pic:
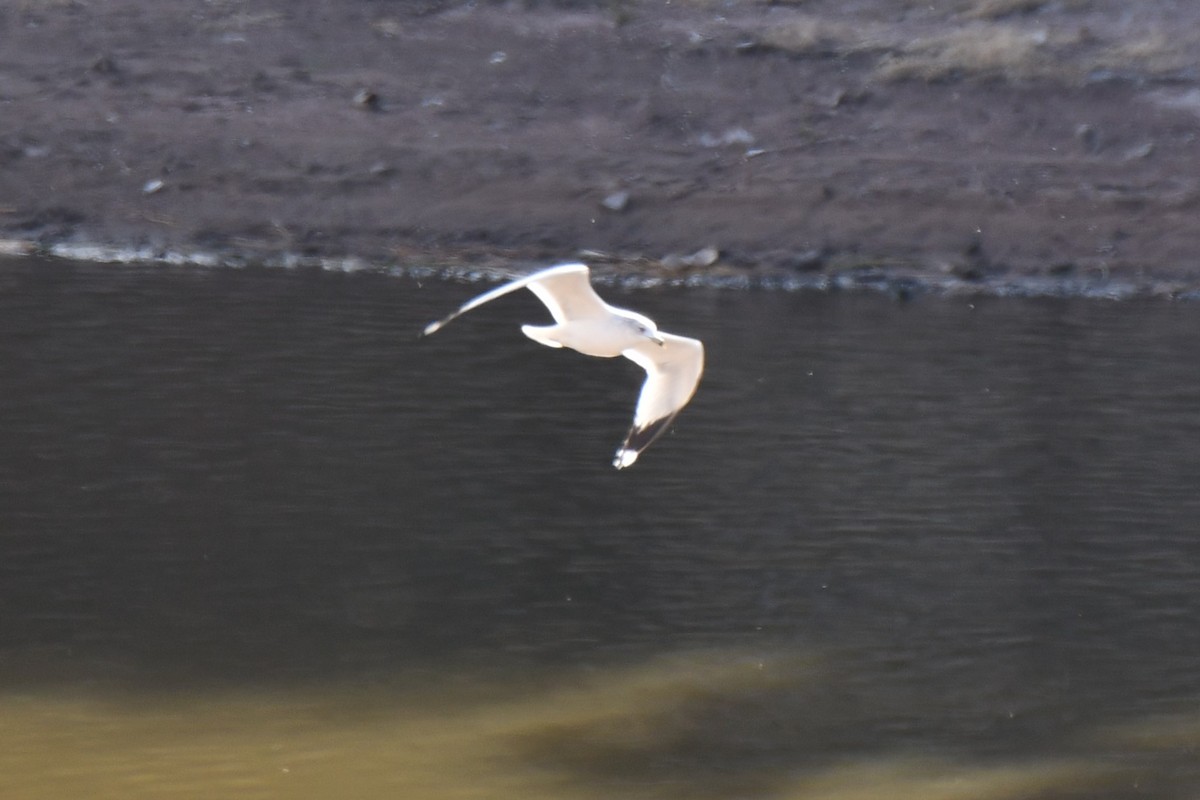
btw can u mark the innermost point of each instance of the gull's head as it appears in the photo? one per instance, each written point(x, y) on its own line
point(645, 327)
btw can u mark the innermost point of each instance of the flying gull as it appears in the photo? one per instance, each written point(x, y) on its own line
point(586, 323)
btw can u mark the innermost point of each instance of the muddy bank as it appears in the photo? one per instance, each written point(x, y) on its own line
point(986, 143)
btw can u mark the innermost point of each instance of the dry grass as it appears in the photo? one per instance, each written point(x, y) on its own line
point(245, 20)
point(999, 9)
point(812, 35)
point(990, 39)
point(1153, 51)
point(238, 15)
point(977, 50)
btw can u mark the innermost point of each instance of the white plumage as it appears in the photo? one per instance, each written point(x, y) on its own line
point(586, 323)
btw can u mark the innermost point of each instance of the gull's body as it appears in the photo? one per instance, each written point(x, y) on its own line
point(585, 323)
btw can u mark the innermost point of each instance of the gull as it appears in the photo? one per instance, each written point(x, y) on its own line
point(587, 324)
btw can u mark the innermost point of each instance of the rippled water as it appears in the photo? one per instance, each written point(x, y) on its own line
point(259, 539)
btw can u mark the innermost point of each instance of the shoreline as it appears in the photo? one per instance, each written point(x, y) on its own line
point(983, 147)
point(898, 283)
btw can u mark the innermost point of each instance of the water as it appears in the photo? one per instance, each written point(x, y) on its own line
point(257, 539)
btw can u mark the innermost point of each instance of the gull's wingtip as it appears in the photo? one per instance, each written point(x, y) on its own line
point(640, 437)
point(624, 458)
point(433, 327)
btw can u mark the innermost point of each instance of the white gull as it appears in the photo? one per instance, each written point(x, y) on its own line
point(587, 324)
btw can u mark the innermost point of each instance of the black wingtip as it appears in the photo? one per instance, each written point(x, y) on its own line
point(639, 438)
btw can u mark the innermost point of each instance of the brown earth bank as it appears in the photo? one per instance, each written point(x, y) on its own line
point(977, 142)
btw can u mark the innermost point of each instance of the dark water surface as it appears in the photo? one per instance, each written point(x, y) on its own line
point(257, 539)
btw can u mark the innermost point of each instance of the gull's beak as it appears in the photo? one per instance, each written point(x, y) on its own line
point(657, 338)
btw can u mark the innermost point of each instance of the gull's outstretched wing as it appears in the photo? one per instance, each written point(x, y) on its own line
point(568, 293)
point(564, 289)
point(672, 373)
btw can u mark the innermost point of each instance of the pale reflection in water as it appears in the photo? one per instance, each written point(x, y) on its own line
point(639, 732)
point(257, 540)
